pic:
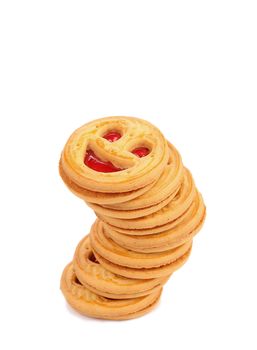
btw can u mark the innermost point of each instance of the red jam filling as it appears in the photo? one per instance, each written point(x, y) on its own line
point(93, 162)
point(141, 151)
point(112, 136)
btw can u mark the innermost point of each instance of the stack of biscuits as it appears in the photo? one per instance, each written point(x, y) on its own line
point(148, 211)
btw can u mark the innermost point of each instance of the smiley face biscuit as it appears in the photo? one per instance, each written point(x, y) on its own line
point(114, 155)
point(103, 282)
point(90, 304)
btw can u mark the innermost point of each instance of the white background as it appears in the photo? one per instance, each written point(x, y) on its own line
point(190, 67)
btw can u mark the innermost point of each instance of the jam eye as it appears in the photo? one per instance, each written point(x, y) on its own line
point(141, 151)
point(95, 163)
point(112, 136)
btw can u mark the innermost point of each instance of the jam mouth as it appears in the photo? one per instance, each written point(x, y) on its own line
point(95, 163)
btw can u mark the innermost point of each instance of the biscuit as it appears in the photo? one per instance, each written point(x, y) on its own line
point(90, 304)
point(128, 171)
point(131, 214)
point(187, 227)
point(101, 197)
point(154, 272)
point(116, 254)
point(103, 282)
point(168, 213)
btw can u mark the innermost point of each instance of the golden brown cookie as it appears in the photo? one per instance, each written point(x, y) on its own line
point(154, 272)
point(116, 254)
point(122, 169)
point(184, 231)
point(131, 214)
point(101, 197)
point(103, 282)
point(92, 305)
point(171, 211)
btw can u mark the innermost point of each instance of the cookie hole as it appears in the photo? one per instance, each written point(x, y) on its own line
point(141, 151)
point(92, 258)
point(169, 161)
point(77, 281)
point(112, 135)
